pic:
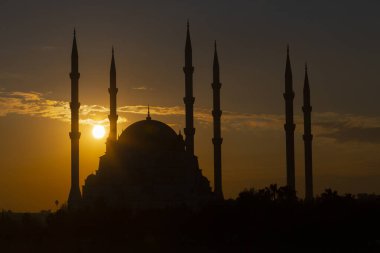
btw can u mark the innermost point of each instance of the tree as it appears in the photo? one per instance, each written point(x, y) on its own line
point(274, 191)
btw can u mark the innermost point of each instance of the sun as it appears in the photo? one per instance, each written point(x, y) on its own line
point(98, 131)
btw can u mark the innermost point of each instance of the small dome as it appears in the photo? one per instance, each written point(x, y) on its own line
point(149, 135)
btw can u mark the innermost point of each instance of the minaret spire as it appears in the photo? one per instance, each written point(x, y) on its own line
point(148, 116)
point(112, 90)
point(75, 195)
point(217, 139)
point(307, 138)
point(74, 55)
point(188, 69)
point(289, 124)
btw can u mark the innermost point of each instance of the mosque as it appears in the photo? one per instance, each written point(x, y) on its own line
point(149, 165)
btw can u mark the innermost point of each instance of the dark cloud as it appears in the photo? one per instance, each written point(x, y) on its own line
point(355, 134)
point(345, 128)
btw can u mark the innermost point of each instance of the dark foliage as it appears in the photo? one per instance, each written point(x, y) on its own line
point(267, 220)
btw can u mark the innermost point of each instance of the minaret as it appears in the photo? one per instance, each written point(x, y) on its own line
point(217, 140)
point(307, 138)
point(75, 195)
point(112, 90)
point(289, 124)
point(189, 99)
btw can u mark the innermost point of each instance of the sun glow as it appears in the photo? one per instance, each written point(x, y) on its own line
point(98, 131)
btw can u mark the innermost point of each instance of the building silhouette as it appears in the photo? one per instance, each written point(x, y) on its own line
point(149, 165)
point(289, 124)
point(112, 90)
point(75, 195)
point(189, 99)
point(307, 138)
point(217, 140)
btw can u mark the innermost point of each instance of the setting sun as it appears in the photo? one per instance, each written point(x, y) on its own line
point(98, 131)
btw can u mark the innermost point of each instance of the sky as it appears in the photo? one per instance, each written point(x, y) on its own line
point(338, 39)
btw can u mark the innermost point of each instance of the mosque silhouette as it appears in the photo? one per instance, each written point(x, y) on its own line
point(151, 166)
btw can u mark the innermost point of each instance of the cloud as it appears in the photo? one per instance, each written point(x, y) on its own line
point(244, 121)
point(335, 126)
point(27, 96)
point(142, 88)
point(231, 120)
point(348, 128)
point(139, 88)
point(356, 134)
point(35, 104)
point(156, 110)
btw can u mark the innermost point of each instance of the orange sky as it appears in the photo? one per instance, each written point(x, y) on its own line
point(38, 162)
point(340, 46)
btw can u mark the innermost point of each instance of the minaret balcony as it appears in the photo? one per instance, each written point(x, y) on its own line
point(217, 141)
point(189, 100)
point(74, 106)
point(307, 108)
point(188, 69)
point(217, 113)
point(216, 85)
point(74, 75)
point(307, 137)
point(74, 135)
point(113, 90)
point(289, 127)
point(289, 95)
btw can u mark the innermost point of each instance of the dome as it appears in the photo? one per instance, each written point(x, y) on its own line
point(149, 135)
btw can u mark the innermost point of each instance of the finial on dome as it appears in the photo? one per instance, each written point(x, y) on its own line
point(148, 117)
point(180, 136)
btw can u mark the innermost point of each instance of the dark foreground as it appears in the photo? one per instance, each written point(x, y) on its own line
point(262, 221)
